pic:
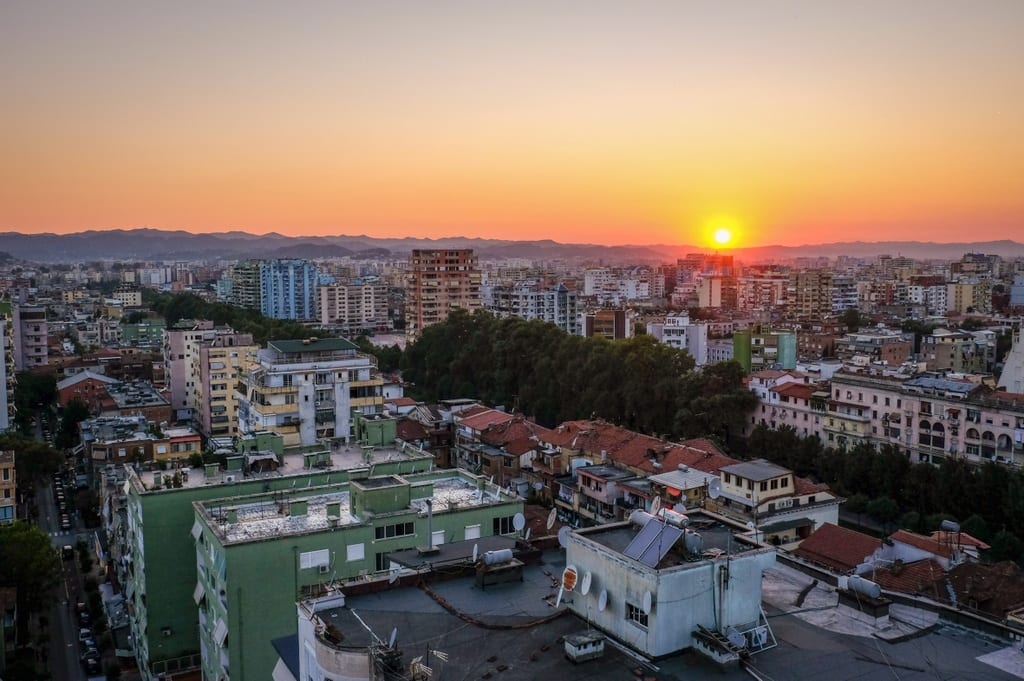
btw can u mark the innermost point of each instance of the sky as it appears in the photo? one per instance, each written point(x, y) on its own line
point(590, 122)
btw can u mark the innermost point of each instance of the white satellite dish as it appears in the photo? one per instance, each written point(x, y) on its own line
point(527, 536)
point(519, 522)
point(679, 508)
point(585, 584)
point(476, 551)
point(563, 537)
point(715, 488)
point(602, 600)
point(655, 505)
point(393, 575)
point(393, 638)
point(538, 486)
point(648, 602)
point(552, 517)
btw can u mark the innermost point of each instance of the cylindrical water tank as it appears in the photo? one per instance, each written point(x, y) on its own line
point(864, 586)
point(950, 526)
point(674, 518)
point(498, 557)
point(693, 542)
point(640, 517)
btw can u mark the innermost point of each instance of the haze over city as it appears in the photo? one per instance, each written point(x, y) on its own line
point(783, 122)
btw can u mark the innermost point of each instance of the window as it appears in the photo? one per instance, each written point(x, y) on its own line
point(7, 474)
point(381, 562)
point(396, 530)
point(764, 486)
point(355, 552)
point(728, 478)
point(503, 525)
point(775, 484)
point(887, 401)
point(472, 532)
point(636, 615)
point(314, 559)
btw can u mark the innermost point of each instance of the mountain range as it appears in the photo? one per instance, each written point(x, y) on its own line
point(161, 245)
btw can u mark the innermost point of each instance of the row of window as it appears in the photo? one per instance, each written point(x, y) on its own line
point(395, 530)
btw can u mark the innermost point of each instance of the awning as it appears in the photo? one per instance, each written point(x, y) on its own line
point(784, 525)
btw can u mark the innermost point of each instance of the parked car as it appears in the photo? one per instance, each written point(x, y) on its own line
point(68, 552)
point(91, 666)
point(84, 633)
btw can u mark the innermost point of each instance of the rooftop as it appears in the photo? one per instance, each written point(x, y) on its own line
point(341, 457)
point(757, 470)
point(312, 345)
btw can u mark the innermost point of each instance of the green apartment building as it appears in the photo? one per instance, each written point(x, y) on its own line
point(258, 554)
point(761, 348)
point(149, 514)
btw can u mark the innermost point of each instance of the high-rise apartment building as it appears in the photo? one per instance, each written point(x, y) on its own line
point(202, 365)
point(30, 330)
point(440, 281)
point(288, 289)
point(6, 368)
point(309, 390)
point(810, 293)
point(358, 306)
point(533, 299)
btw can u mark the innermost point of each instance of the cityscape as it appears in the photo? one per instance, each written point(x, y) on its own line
point(395, 342)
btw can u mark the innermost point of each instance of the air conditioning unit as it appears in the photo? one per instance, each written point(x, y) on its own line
point(324, 569)
point(229, 478)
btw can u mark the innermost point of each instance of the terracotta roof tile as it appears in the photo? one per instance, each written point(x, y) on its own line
point(482, 420)
point(924, 577)
point(996, 589)
point(922, 542)
point(962, 538)
point(409, 430)
point(838, 547)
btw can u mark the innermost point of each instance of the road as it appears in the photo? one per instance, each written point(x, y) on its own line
point(63, 652)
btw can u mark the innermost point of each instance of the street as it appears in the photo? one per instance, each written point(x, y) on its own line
point(63, 648)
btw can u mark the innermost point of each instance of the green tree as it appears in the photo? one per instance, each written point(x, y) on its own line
point(852, 319)
point(28, 563)
point(883, 509)
point(1005, 546)
point(33, 460)
point(74, 413)
point(976, 526)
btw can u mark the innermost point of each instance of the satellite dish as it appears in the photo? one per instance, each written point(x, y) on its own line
point(602, 600)
point(393, 576)
point(585, 584)
point(715, 488)
point(393, 638)
point(648, 602)
point(655, 505)
point(552, 517)
point(570, 575)
point(519, 522)
point(563, 537)
point(527, 536)
point(538, 486)
point(679, 508)
point(476, 551)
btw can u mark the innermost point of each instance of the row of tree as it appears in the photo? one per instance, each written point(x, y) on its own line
point(174, 307)
point(538, 369)
point(987, 500)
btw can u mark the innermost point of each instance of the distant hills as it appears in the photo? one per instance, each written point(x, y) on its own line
point(152, 244)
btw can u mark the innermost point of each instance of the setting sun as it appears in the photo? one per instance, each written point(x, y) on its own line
point(722, 236)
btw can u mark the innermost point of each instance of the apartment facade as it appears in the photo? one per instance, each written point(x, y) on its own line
point(30, 329)
point(257, 555)
point(8, 488)
point(309, 390)
point(217, 365)
point(533, 299)
point(439, 281)
point(359, 306)
point(288, 289)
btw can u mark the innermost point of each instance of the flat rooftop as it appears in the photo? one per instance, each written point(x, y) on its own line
point(269, 517)
point(716, 538)
point(266, 515)
point(342, 458)
point(817, 640)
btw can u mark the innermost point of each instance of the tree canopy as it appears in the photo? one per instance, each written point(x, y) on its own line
point(29, 563)
point(538, 369)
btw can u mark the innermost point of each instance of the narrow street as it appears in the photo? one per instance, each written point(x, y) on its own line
point(63, 653)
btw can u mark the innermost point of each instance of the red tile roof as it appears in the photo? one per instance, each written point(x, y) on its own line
point(484, 419)
point(996, 589)
point(401, 401)
point(922, 542)
point(923, 577)
point(513, 429)
point(962, 538)
point(409, 430)
point(801, 391)
point(838, 547)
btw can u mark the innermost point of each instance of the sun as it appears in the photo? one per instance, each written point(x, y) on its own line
point(722, 236)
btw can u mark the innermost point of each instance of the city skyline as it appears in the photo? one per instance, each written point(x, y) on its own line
point(791, 123)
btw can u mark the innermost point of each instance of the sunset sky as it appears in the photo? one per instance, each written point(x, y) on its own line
point(599, 122)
